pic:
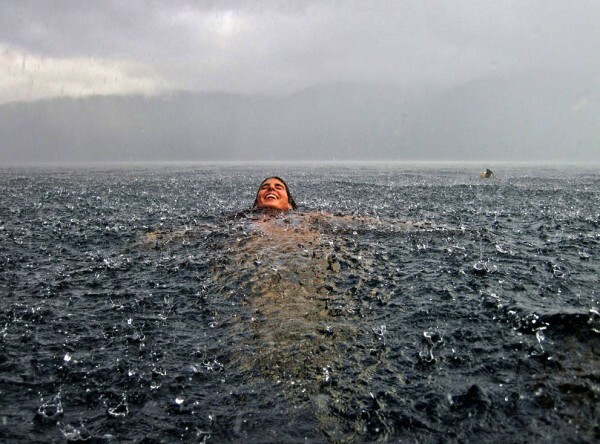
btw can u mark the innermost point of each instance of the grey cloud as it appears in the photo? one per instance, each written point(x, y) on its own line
point(460, 79)
point(291, 45)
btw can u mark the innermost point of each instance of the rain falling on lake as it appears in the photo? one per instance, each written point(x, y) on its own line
point(416, 303)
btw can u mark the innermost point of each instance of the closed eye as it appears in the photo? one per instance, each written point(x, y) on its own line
point(276, 186)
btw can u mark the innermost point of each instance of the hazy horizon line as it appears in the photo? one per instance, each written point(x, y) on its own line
point(304, 163)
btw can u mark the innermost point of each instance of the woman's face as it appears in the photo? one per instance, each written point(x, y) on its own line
point(272, 194)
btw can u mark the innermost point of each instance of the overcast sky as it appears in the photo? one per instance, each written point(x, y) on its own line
point(58, 47)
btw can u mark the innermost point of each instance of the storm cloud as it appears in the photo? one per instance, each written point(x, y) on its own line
point(59, 49)
point(281, 47)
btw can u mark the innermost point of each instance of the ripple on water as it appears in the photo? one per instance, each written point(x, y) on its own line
point(135, 309)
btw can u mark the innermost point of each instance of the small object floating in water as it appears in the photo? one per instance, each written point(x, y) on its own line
point(487, 174)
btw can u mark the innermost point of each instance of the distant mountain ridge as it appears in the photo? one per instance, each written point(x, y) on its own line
point(484, 120)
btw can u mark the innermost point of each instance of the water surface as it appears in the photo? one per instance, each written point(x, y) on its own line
point(399, 304)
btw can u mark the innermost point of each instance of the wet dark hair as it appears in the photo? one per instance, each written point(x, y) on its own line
point(287, 190)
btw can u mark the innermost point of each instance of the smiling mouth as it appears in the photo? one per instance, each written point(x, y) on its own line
point(270, 196)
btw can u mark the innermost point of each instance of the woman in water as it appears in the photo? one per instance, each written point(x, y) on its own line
point(273, 196)
point(294, 291)
point(274, 193)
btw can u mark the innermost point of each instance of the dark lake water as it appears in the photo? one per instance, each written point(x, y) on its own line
point(415, 303)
